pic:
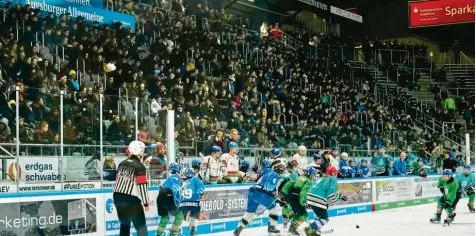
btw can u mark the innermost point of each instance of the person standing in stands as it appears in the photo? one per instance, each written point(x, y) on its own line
point(130, 191)
point(449, 163)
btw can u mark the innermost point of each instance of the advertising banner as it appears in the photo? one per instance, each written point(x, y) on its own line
point(441, 12)
point(223, 204)
point(316, 4)
point(426, 187)
point(346, 14)
point(350, 188)
point(112, 223)
point(77, 3)
point(394, 190)
point(33, 169)
point(52, 217)
point(89, 13)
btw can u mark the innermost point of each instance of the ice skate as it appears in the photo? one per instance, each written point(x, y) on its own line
point(435, 219)
point(450, 219)
point(293, 230)
point(471, 208)
point(310, 232)
point(238, 230)
point(272, 230)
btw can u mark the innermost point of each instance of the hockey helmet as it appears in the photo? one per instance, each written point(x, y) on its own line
point(174, 167)
point(196, 163)
point(330, 170)
point(189, 173)
point(136, 148)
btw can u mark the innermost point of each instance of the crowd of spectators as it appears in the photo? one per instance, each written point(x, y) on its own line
point(214, 73)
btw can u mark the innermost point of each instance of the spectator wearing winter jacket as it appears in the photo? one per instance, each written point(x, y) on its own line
point(449, 162)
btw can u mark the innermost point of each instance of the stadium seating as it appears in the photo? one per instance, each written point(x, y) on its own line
point(276, 91)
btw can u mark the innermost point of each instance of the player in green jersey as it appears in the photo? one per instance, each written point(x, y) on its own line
point(450, 188)
point(466, 180)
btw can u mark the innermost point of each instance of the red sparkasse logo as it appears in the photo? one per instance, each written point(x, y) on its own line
point(441, 12)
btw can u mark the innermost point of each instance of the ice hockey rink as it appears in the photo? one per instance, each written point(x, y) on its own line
point(410, 221)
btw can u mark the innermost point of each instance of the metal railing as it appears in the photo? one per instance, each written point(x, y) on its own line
point(466, 60)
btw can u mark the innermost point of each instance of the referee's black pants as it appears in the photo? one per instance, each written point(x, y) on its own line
point(129, 209)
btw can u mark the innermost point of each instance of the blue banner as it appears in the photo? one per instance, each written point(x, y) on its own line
point(77, 3)
point(89, 13)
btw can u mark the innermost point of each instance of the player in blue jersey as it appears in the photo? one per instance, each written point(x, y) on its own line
point(197, 166)
point(344, 160)
point(320, 197)
point(363, 170)
point(466, 180)
point(265, 166)
point(242, 174)
point(168, 201)
point(274, 153)
point(192, 191)
point(264, 194)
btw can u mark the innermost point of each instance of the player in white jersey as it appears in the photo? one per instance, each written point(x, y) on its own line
point(230, 164)
point(211, 166)
point(301, 158)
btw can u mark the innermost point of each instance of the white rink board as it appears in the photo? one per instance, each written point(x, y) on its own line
point(409, 221)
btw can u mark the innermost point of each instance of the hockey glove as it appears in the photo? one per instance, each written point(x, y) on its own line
point(469, 189)
point(442, 190)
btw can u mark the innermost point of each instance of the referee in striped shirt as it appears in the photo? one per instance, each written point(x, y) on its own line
point(130, 192)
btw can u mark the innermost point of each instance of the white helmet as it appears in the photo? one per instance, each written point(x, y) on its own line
point(302, 148)
point(344, 154)
point(136, 148)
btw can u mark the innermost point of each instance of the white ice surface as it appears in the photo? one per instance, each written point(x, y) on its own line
point(408, 221)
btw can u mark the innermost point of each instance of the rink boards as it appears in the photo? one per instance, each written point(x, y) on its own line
point(92, 212)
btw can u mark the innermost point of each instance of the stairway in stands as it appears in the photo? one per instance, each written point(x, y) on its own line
point(424, 96)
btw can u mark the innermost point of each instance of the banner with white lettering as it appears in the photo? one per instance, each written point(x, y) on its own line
point(54, 217)
point(348, 189)
point(81, 8)
point(223, 204)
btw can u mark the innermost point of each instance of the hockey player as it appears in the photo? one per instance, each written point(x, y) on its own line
point(421, 169)
point(192, 191)
point(379, 163)
point(211, 165)
point(410, 162)
point(466, 179)
point(320, 197)
point(274, 153)
point(196, 166)
point(344, 158)
point(450, 188)
point(168, 201)
point(317, 164)
point(346, 172)
point(301, 159)
point(289, 176)
point(363, 170)
point(244, 167)
point(297, 199)
point(230, 164)
point(264, 194)
point(265, 167)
